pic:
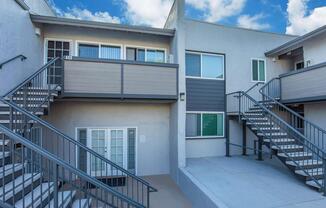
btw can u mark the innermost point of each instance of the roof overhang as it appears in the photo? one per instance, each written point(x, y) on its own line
point(296, 43)
point(101, 25)
point(22, 4)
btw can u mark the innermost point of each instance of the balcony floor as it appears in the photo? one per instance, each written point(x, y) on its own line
point(242, 181)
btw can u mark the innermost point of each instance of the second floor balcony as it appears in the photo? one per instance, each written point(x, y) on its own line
point(119, 79)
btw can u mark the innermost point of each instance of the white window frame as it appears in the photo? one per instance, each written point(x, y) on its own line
point(107, 129)
point(251, 75)
point(99, 44)
point(71, 45)
point(201, 65)
point(145, 48)
point(201, 123)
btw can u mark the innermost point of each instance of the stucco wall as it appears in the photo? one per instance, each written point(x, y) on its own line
point(315, 50)
point(40, 7)
point(17, 36)
point(316, 113)
point(239, 47)
point(152, 121)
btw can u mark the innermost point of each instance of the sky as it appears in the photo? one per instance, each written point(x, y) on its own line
point(295, 17)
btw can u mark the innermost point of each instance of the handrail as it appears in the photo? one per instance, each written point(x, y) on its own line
point(28, 79)
point(284, 123)
point(64, 164)
point(21, 56)
point(77, 143)
point(287, 108)
point(252, 87)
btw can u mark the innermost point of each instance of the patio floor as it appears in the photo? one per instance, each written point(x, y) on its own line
point(242, 181)
point(169, 195)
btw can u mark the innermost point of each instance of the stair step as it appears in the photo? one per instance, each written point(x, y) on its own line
point(255, 119)
point(314, 184)
point(82, 203)
point(67, 197)
point(288, 147)
point(9, 169)
point(26, 180)
point(284, 141)
point(4, 142)
point(4, 154)
point(18, 113)
point(313, 171)
point(296, 155)
point(307, 164)
point(39, 194)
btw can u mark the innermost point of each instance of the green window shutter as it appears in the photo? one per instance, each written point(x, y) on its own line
point(209, 124)
point(261, 70)
point(254, 70)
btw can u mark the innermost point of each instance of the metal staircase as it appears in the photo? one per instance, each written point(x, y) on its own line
point(39, 165)
point(298, 143)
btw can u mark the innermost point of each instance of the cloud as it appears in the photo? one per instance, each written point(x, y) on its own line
point(253, 22)
point(147, 12)
point(84, 14)
point(216, 10)
point(301, 20)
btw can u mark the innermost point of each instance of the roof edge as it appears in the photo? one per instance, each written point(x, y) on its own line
point(101, 25)
point(22, 4)
point(298, 40)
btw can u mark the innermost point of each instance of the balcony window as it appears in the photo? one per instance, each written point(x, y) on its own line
point(135, 54)
point(204, 65)
point(143, 54)
point(258, 70)
point(110, 52)
point(86, 50)
point(204, 124)
point(155, 56)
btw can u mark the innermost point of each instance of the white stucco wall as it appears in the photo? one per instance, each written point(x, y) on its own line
point(314, 50)
point(151, 120)
point(316, 113)
point(17, 36)
point(40, 7)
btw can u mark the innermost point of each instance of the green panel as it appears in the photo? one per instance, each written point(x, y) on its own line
point(209, 124)
point(262, 71)
point(220, 125)
point(254, 70)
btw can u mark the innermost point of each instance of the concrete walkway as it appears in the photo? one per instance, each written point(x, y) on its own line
point(169, 195)
point(242, 181)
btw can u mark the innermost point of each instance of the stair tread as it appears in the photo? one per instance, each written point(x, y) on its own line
point(4, 142)
point(281, 140)
point(305, 162)
point(65, 195)
point(36, 195)
point(18, 182)
point(9, 169)
point(314, 184)
point(81, 203)
point(312, 171)
point(4, 154)
point(289, 146)
point(295, 154)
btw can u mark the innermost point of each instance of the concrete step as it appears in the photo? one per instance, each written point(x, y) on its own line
point(306, 164)
point(65, 199)
point(82, 203)
point(35, 198)
point(16, 186)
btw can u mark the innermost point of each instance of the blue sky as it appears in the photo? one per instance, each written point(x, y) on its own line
point(281, 16)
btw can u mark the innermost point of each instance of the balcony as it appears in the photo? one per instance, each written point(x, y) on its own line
point(101, 78)
point(305, 85)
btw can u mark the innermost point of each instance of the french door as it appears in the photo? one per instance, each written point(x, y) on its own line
point(111, 144)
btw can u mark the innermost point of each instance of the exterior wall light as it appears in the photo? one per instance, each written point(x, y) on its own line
point(182, 96)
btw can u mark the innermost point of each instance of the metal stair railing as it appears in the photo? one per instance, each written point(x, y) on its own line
point(271, 92)
point(44, 167)
point(318, 154)
point(21, 56)
point(29, 97)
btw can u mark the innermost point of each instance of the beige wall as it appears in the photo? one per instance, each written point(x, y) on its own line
point(315, 50)
point(77, 34)
point(151, 120)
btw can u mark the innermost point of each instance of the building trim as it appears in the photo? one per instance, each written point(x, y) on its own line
point(101, 25)
point(295, 43)
point(119, 96)
point(305, 99)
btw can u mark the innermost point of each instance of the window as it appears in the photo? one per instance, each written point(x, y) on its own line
point(299, 65)
point(86, 50)
point(142, 54)
point(205, 65)
point(132, 150)
point(203, 125)
point(258, 70)
point(82, 154)
point(56, 48)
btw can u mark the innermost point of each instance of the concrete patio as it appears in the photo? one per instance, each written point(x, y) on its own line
point(242, 181)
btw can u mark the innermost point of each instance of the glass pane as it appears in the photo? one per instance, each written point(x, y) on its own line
point(262, 71)
point(98, 145)
point(131, 150)
point(88, 51)
point(209, 124)
point(160, 56)
point(254, 70)
point(131, 54)
point(117, 147)
point(193, 125)
point(213, 66)
point(151, 55)
point(110, 52)
point(141, 55)
point(193, 64)
point(82, 155)
point(220, 125)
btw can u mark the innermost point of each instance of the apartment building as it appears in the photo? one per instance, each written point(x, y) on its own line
point(94, 107)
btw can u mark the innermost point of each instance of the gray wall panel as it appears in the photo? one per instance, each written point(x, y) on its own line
point(205, 95)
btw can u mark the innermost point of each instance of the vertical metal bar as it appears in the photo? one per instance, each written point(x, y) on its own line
point(244, 137)
point(260, 149)
point(56, 172)
point(227, 133)
point(324, 174)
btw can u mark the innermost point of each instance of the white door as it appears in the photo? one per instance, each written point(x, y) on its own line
point(98, 142)
point(118, 148)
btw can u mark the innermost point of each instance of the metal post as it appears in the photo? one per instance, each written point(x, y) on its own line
point(239, 106)
point(324, 173)
point(244, 138)
point(148, 196)
point(260, 149)
point(56, 182)
point(227, 143)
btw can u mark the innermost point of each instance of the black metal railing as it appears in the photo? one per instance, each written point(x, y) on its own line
point(271, 92)
point(22, 58)
point(246, 103)
point(33, 96)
